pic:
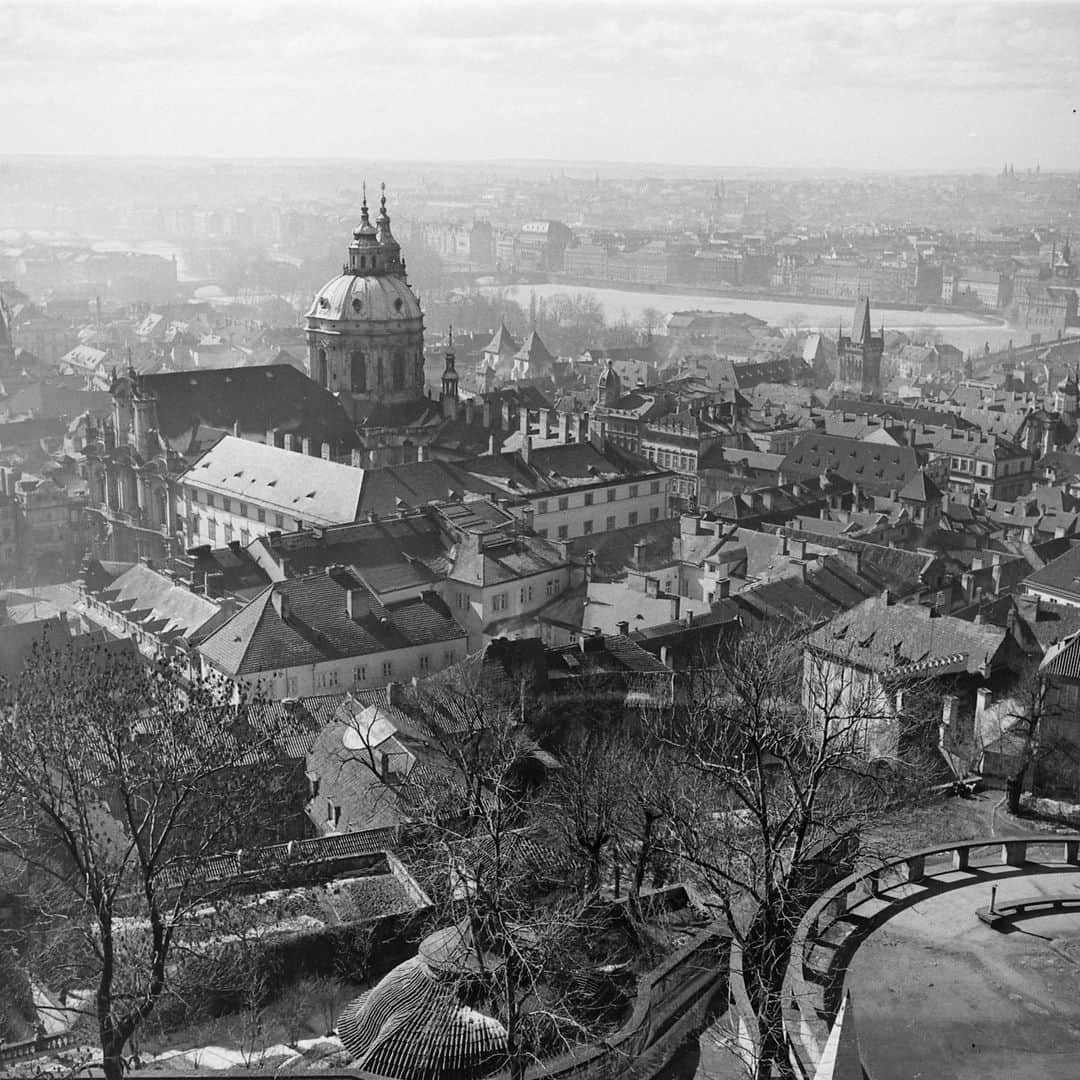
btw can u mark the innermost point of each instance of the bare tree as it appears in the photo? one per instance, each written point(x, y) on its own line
point(475, 840)
point(776, 786)
point(119, 782)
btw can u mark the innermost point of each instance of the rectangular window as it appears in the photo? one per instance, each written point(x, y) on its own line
point(211, 528)
point(241, 509)
point(542, 533)
point(279, 521)
point(564, 532)
point(654, 488)
point(228, 532)
point(448, 656)
point(245, 538)
point(423, 663)
point(588, 498)
point(633, 491)
point(654, 514)
point(541, 506)
point(360, 674)
point(387, 669)
point(586, 528)
point(612, 494)
point(631, 518)
point(262, 516)
point(610, 523)
point(564, 503)
point(226, 504)
point(521, 597)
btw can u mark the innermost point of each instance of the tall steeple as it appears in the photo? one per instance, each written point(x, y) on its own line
point(450, 381)
point(364, 246)
point(389, 249)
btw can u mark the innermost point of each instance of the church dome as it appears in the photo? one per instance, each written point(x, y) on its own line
point(360, 298)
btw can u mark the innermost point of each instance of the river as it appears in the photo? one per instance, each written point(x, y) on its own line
point(966, 331)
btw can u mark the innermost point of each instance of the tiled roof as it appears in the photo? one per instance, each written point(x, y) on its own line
point(1060, 575)
point(309, 624)
point(175, 607)
point(306, 488)
point(884, 637)
point(876, 468)
point(1063, 659)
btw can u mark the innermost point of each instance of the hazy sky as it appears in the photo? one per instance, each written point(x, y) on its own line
point(918, 86)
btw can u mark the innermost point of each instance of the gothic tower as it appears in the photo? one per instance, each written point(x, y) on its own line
point(859, 356)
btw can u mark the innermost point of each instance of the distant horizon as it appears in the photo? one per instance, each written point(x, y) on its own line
point(671, 168)
point(832, 85)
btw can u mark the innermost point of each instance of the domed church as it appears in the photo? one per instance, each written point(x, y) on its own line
point(365, 334)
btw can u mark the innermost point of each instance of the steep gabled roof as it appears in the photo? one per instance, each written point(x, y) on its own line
point(534, 351)
point(921, 489)
point(860, 329)
point(503, 343)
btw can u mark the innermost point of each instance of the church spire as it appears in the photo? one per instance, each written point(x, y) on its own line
point(390, 249)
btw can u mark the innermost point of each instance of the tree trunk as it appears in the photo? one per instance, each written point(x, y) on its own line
point(112, 1053)
point(644, 853)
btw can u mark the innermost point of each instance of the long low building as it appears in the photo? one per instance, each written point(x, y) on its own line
point(240, 490)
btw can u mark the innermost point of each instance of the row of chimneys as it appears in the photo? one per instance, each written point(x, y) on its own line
point(304, 445)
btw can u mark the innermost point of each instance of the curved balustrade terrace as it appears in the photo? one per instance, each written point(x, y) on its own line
point(842, 917)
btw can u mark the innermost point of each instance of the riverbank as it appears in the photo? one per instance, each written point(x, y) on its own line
point(968, 331)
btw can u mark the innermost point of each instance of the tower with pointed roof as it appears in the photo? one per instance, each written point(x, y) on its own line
point(497, 361)
point(859, 354)
point(449, 398)
point(7, 346)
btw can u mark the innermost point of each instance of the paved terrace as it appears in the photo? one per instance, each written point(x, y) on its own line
point(934, 992)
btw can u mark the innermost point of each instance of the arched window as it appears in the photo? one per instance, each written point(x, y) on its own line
point(320, 373)
point(380, 375)
point(358, 372)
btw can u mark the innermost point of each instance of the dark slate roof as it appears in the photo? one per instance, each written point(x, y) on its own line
point(315, 627)
point(876, 468)
point(253, 398)
point(1059, 575)
point(889, 637)
point(19, 640)
point(916, 414)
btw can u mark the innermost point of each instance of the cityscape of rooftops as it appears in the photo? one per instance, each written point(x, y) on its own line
point(540, 542)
